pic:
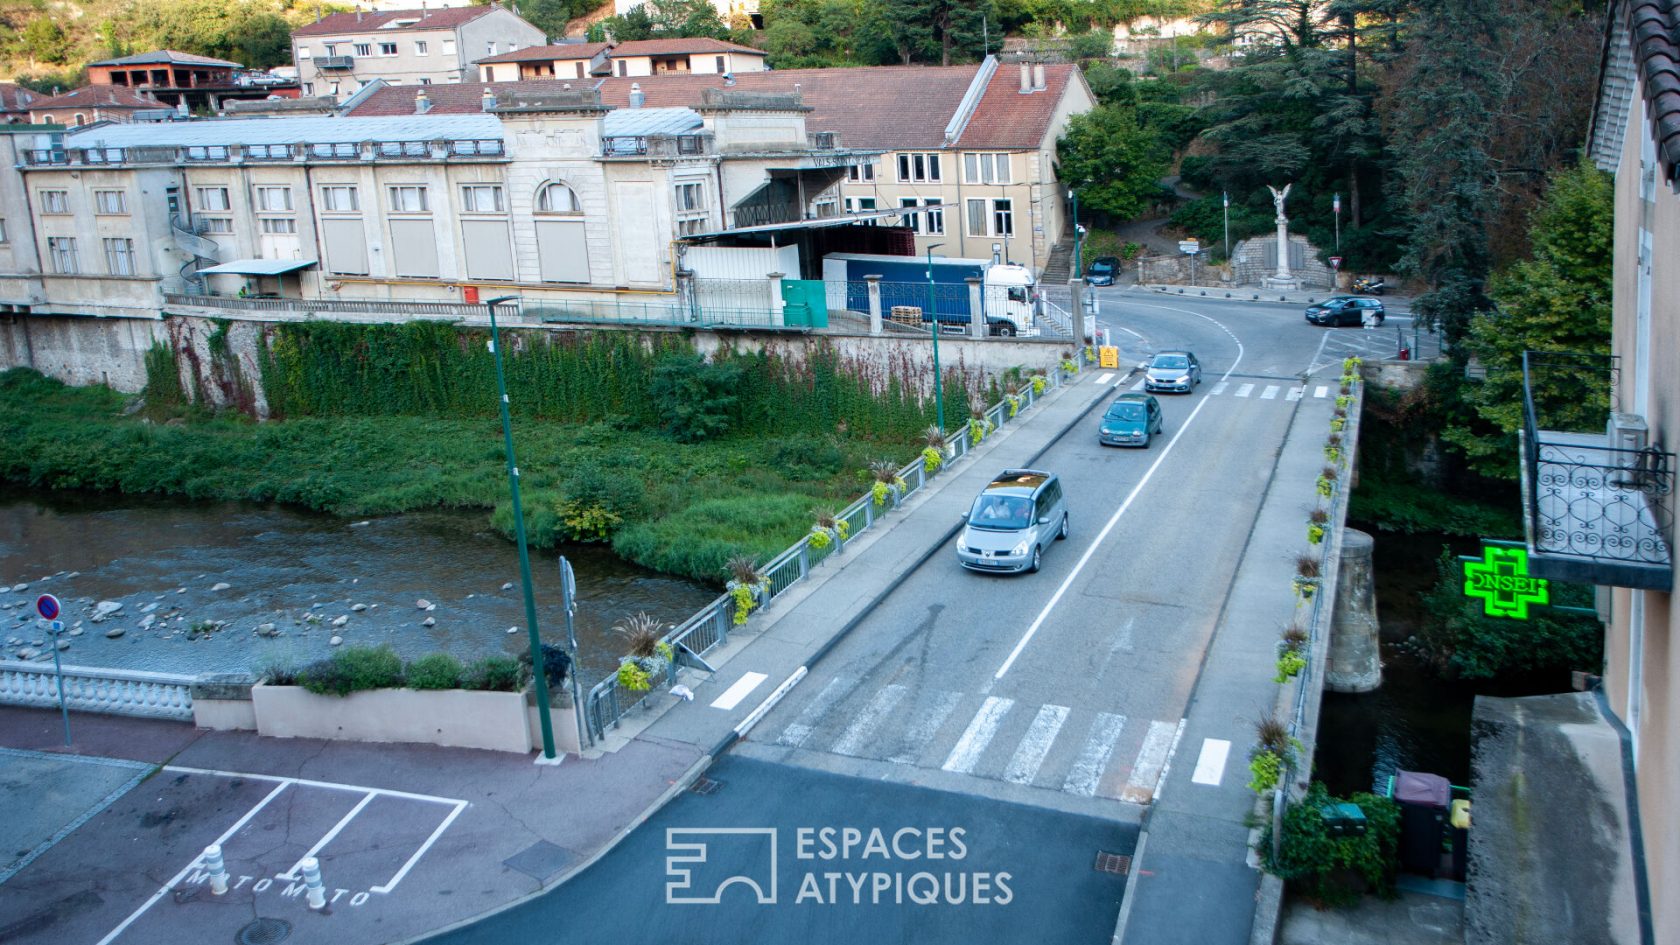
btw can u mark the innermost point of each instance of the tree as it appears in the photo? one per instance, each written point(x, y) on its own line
point(1115, 164)
point(44, 41)
point(551, 16)
point(664, 19)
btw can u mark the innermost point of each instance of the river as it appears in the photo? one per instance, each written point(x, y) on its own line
point(282, 565)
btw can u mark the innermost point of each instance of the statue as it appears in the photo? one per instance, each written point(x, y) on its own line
point(1283, 278)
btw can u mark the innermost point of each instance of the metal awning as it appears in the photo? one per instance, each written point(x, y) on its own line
point(258, 267)
point(815, 223)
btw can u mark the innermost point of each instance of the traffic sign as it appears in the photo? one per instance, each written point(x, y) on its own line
point(47, 606)
point(1190, 247)
point(1335, 262)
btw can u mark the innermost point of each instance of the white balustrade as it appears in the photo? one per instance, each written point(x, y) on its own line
point(91, 689)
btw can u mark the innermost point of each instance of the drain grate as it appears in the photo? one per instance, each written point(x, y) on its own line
point(1117, 863)
point(706, 786)
point(264, 932)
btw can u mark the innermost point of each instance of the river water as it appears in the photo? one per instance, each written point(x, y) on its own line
point(162, 558)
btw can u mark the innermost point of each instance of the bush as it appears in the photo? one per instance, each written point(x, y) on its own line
point(698, 541)
point(494, 674)
point(1460, 640)
point(1336, 870)
point(556, 664)
point(695, 399)
point(353, 669)
point(597, 502)
point(435, 671)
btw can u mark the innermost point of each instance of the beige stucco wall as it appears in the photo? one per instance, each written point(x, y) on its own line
point(1657, 728)
point(455, 718)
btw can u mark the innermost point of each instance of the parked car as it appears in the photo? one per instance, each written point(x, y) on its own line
point(1173, 370)
point(1346, 310)
point(1130, 421)
point(1102, 270)
point(1012, 520)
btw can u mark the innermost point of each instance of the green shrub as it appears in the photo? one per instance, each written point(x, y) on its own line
point(324, 678)
point(597, 502)
point(1336, 870)
point(698, 541)
point(695, 399)
point(353, 669)
point(435, 671)
point(494, 674)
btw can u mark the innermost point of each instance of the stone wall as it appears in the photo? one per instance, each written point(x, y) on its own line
point(81, 350)
point(1248, 261)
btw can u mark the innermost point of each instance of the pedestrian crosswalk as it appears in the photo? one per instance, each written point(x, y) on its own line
point(1077, 751)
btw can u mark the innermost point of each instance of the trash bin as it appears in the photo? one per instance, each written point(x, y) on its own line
point(1460, 819)
point(1423, 800)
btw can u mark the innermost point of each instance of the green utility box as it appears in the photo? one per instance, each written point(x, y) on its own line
point(804, 303)
point(1343, 820)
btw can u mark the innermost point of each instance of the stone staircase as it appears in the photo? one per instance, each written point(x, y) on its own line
point(1059, 268)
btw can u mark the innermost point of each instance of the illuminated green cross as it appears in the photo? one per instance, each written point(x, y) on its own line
point(1501, 580)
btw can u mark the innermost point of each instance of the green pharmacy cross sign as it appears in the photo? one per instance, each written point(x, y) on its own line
point(1501, 580)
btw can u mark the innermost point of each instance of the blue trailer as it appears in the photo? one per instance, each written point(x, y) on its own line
point(1008, 293)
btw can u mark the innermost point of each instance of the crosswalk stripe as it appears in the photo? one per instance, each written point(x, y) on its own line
point(858, 734)
point(1093, 758)
point(800, 729)
point(1146, 770)
point(1270, 393)
point(1245, 390)
point(1296, 392)
point(924, 726)
point(1320, 390)
point(978, 735)
point(1210, 766)
point(1105, 377)
point(1219, 388)
point(1029, 755)
point(1138, 385)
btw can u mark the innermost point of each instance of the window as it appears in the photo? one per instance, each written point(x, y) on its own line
point(986, 169)
point(977, 218)
point(334, 88)
point(929, 221)
point(363, 49)
point(481, 198)
point(408, 198)
point(911, 220)
point(2, 230)
point(217, 224)
point(861, 173)
point(490, 47)
point(449, 47)
point(340, 198)
point(720, 66)
point(119, 257)
point(991, 218)
point(274, 199)
point(387, 49)
point(859, 205)
point(55, 201)
point(558, 198)
point(78, 119)
point(303, 52)
point(110, 202)
point(279, 224)
point(332, 48)
point(212, 198)
point(623, 67)
point(425, 81)
point(1003, 218)
point(422, 48)
point(691, 197)
point(918, 167)
point(62, 249)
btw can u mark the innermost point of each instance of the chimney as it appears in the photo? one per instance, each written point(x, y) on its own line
point(637, 99)
point(1038, 77)
point(488, 103)
point(358, 14)
point(1026, 76)
point(422, 102)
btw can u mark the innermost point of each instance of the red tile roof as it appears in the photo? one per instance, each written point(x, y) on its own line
point(554, 53)
point(97, 96)
point(444, 18)
point(679, 47)
point(863, 105)
point(162, 56)
point(15, 98)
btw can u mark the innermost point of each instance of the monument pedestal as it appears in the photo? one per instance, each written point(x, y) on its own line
point(1282, 283)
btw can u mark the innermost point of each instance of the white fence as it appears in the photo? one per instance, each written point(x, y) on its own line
point(90, 689)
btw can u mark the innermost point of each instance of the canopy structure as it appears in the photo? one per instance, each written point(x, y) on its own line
point(258, 267)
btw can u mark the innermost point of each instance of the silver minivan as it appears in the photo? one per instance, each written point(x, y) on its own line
point(1012, 520)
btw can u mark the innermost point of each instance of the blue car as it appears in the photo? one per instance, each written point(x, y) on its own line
point(1132, 420)
point(1102, 270)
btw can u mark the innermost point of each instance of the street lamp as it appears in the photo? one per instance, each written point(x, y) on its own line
point(1226, 195)
point(1336, 207)
point(1077, 231)
point(541, 679)
point(938, 379)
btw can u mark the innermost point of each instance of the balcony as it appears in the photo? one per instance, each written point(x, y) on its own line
point(334, 151)
point(335, 63)
point(657, 146)
point(1598, 507)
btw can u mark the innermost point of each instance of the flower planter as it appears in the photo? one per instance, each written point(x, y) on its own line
point(456, 718)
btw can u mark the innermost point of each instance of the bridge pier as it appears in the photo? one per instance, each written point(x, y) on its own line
point(1355, 658)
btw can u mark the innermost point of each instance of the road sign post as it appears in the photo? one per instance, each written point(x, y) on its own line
point(47, 606)
point(568, 603)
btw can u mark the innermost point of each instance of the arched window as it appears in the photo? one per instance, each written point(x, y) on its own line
point(558, 198)
point(81, 119)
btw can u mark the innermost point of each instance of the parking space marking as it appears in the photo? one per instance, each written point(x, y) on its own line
point(1210, 765)
point(328, 836)
point(743, 687)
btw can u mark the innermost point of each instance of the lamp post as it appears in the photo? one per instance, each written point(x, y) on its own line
point(1336, 208)
point(1226, 196)
point(1077, 232)
point(540, 680)
point(938, 380)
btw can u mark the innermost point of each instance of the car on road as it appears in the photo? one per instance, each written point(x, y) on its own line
point(1102, 270)
point(1174, 371)
point(1346, 310)
point(1011, 522)
point(1130, 421)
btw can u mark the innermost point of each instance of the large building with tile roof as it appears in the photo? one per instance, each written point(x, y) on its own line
point(976, 141)
point(338, 54)
point(14, 103)
point(92, 103)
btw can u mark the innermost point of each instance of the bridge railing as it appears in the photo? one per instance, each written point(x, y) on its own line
point(93, 689)
point(608, 702)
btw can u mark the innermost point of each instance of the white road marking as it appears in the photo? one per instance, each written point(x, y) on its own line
point(746, 725)
point(1320, 391)
point(924, 726)
point(1219, 388)
point(1114, 519)
point(858, 734)
point(1029, 755)
point(800, 728)
point(1296, 392)
point(1270, 393)
point(1245, 390)
point(1166, 769)
point(734, 694)
point(345, 820)
point(1210, 765)
point(1139, 384)
point(978, 735)
point(1146, 770)
point(387, 887)
point(1093, 758)
point(1105, 377)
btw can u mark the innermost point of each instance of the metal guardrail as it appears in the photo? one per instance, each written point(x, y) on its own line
point(607, 702)
point(333, 306)
point(90, 689)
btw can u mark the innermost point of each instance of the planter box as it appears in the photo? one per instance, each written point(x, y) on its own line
point(455, 718)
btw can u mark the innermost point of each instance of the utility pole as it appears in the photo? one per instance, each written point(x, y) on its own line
point(1336, 208)
point(1227, 198)
point(1078, 232)
point(938, 380)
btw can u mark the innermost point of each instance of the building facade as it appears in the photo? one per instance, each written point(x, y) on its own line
point(699, 55)
point(558, 61)
point(92, 103)
point(338, 54)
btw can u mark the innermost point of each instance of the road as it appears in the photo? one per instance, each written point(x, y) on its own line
point(1036, 714)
